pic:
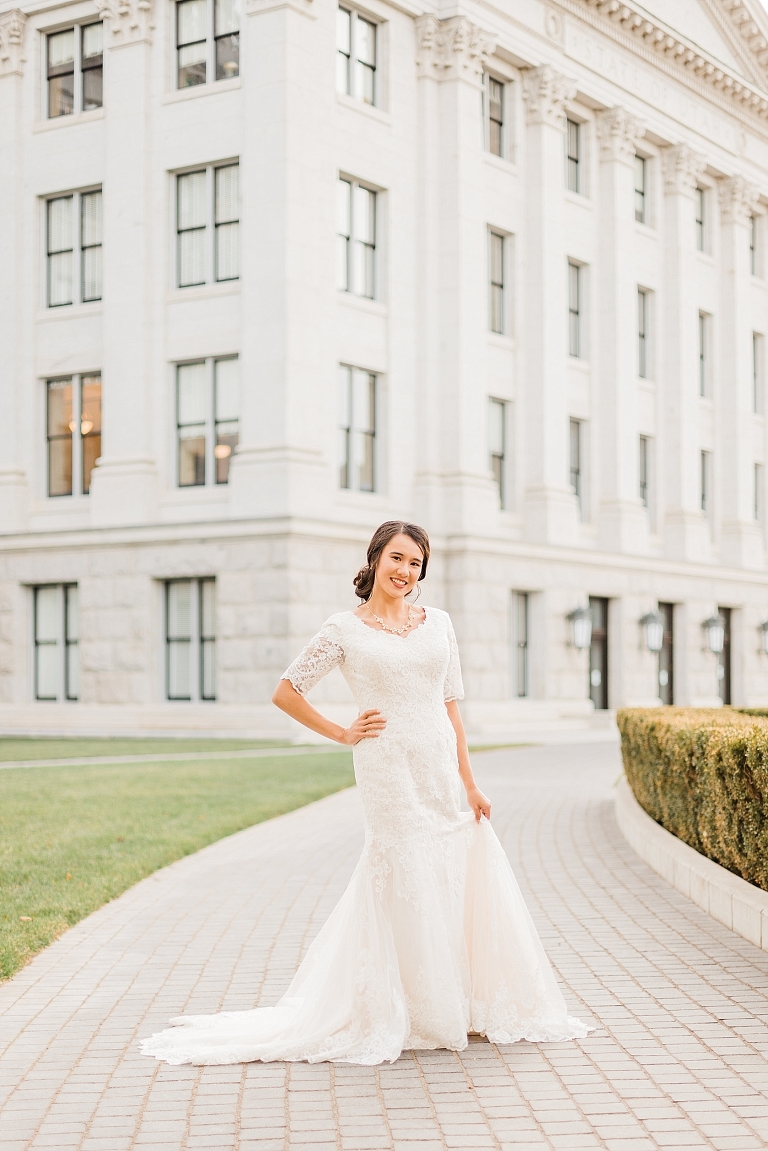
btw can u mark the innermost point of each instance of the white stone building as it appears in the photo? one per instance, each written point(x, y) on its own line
point(501, 268)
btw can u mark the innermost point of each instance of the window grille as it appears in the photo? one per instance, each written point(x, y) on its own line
point(356, 238)
point(207, 425)
point(357, 429)
point(73, 433)
point(190, 639)
point(56, 642)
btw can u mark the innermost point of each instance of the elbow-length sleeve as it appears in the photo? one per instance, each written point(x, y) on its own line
point(453, 688)
point(322, 654)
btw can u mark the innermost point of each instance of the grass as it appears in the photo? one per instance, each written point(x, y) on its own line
point(54, 747)
point(72, 838)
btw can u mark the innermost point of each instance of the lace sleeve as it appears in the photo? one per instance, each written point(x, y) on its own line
point(322, 654)
point(453, 688)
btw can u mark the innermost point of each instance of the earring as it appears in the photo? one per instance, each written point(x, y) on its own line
point(418, 593)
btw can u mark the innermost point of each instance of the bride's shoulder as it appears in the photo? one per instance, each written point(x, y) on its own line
point(440, 615)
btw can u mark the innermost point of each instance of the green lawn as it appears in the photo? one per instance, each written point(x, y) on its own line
point(72, 838)
point(62, 747)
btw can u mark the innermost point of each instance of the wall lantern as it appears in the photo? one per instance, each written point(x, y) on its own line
point(764, 629)
point(715, 629)
point(581, 627)
point(653, 623)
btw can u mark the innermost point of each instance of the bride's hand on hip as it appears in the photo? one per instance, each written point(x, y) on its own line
point(479, 803)
point(369, 725)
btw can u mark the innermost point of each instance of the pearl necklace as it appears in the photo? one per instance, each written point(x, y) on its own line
point(394, 630)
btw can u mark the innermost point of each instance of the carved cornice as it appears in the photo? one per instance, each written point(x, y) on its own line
point(128, 21)
point(12, 58)
point(452, 49)
point(682, 168)
point(546, 92)
point(738, 200)
point(618, 132)
point(656, 39)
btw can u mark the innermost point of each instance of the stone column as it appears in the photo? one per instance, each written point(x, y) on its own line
point(686, 534)
point(551, 510)
point(13, 480)
point(742, 544)
point(124, 485)
point(622, 520)
point(455, 492)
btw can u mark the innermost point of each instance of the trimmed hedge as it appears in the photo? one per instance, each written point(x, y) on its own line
point(703, 775)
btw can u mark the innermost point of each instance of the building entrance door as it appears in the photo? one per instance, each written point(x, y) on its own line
point(666, 656)
point(598, 653)
point(724, 659)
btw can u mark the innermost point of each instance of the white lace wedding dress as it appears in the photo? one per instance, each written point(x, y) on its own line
point(431, 939)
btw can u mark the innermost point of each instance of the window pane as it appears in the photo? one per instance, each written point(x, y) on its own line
point(343, 207)
point(179, 669)
point(47, 614)
point(191, 200)
point(227, 194)
point(61, 95)
point(497, 259)
point(227, 251)
point(226, 17)
point(47, 671)
point(90, 426)
point(496, 428)
point(363, 403)
point(92, 274)
point(227, 384)
point(365, 215)
point(192, 20)
point(228, 56)
point(59, 432)
point(192, 406)
point(72, 670)
point(90, 213)
point(93, 40)
point(179, 609)
point(60, 407)
point(227, 439)
point(192, 456)
point(60, 279)
point(207, 608)
point(192, 68)
point(345, 396)
point(72, 616)
point(365, 36)
point(60, 224)
point(208, 669)
point(192, 258)
point(61, 48)
point(93, 89)
point(344, 30)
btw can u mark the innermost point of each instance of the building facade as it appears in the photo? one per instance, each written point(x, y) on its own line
point(272, 273)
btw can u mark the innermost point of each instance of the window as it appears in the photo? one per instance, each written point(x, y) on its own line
point(356, 56)
point(56, 631)
point(644, 467)
point(757, 372)
point(357, 429)
point(207, 41)
point(706, 483)
point(74, 68)
point(642, 333)
point(190, 639)
point(73, 248)
point(574, 309)
point(208, 224)
point(703, 354)
point(494, 104)
point(207, 432)
point(700, 219)
point(641, 203)
point(497, 437)
point(753, 253)
point(573, 156)
point(575, 454)
point(497, 283)
point(520, 671)
point(73, 433)
point(356, 238)
point(758, 493)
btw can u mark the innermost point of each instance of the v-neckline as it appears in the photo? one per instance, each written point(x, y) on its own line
point(383, 631)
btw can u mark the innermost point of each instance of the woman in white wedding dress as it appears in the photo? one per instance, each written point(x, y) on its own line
point(431, 939)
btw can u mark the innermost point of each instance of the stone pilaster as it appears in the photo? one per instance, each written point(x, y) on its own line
point(551, 511)
point(742, 543)
point(124, 484)
point(13, 480)
point(686, 532)
point(622, 519)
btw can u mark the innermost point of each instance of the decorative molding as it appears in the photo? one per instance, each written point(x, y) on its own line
point(618, 132)
point(738, 200)
point(12, 58)
point(452, 49)
point(546, 92)
point(128, 21)
point(634, 28)
point(683, 168)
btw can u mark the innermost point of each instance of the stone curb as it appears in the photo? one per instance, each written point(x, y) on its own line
point(725, 896)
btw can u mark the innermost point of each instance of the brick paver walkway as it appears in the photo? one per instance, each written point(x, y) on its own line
point(681, 1004)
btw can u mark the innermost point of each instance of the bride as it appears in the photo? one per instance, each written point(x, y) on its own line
point(431, 940)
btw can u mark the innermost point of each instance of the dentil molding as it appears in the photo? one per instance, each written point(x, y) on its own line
point(682, 168)
point(128, 21)
point(738, 200)
point(618, 133)
point(452, 49)
point(12, 58)
point(546, 92)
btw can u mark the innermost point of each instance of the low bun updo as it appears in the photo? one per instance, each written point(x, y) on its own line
point(365, 578)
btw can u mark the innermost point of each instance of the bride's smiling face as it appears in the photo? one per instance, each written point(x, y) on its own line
point(399, 566)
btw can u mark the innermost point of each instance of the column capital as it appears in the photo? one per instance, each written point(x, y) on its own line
point(452, 49)
point(738, 199)
point(546, 92)
point(12, 58)
point(127, 21)
point(682, 169)
point(618, 132)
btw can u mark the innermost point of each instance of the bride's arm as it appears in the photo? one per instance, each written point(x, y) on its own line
point(479, 803)
point(369, 725)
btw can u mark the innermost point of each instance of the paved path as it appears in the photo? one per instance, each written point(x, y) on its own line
point(681, 1004)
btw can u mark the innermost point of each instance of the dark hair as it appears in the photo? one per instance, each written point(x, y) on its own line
point(364, 579)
